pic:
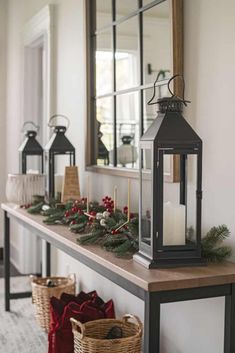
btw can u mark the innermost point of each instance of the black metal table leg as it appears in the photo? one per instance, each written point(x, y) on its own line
point(152, 323)
point(48, 259)
point(229, 322)
point(7, 261)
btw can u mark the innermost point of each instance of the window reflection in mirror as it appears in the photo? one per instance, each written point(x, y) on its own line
point(150, 111)
point(104, 130)
point(104, 63)
point(157, 43)
point(128, 130)
point(125, 7)
point(103, 13)
point(127, 54)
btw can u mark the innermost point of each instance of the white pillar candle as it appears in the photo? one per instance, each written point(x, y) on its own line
point(173, 224)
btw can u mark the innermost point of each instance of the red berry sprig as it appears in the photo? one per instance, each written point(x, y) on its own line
point(114, 232)
point(92, 215)
point(125, 210)
point(108, 203)
point(84, 200)
point(67, 214)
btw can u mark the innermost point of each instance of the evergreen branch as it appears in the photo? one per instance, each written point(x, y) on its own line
point(53, 219)
point(112, 244)
point(51, 211)
point(78, 228)
point(211, 249)
point(215, 236)
point(90, 238)
point(36, 209)
point(123, 249)
point(217, 254)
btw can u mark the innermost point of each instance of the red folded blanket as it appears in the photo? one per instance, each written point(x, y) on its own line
point(83, 307)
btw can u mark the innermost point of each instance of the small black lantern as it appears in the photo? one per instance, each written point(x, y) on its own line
point(170, 213)
point(57, 145)
point(30, 147)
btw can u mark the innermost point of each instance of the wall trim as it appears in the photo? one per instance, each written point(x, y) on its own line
point(39, 25)
point(39, 30)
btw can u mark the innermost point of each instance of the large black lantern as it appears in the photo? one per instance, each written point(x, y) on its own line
point(58, 145)
point(170, 213)
point(30, 147)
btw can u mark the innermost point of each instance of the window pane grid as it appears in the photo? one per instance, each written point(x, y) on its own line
point(115, 21)
point(129, 62)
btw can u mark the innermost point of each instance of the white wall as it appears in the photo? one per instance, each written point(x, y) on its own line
point(210, 75)
point(3, 17)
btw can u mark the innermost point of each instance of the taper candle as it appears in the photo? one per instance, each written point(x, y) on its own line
point(128, 200)
point(115, 198)
point(88, 193)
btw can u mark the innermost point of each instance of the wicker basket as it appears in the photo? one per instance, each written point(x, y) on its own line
point(41, 295)
point(89, 337)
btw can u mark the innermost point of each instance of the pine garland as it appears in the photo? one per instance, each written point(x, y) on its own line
point(109, 228)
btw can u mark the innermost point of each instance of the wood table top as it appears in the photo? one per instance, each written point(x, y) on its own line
point(149, 280)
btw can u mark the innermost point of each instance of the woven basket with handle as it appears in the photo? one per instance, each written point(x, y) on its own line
point(90, 337)
point(41, 295)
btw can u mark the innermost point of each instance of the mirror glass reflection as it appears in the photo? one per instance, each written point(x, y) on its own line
point(157, 43)
point(104, 63)
point(103, 13)
point(121, 97)
point(125, 7)
point(127, 126)
point(150, 111)
point(146, 2)
point(127, 54)
point(104, 130)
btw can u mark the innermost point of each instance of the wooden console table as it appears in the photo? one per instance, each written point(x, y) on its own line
point(154, 287)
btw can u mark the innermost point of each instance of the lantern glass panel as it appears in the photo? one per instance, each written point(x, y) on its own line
point(33, 163)
point(146, 197)
point(179, 202)
point(191, 199)
point(174, 213)
point(62, 161)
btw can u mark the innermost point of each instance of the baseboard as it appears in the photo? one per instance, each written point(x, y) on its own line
point(1, 254)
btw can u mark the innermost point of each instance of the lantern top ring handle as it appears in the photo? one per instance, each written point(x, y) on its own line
point(172, 79)
point(150, 102)
point(51, 124)
point(36, 127)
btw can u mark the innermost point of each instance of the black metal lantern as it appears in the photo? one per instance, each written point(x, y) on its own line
point(170, 213)
point(57, 145)
point(30, 147)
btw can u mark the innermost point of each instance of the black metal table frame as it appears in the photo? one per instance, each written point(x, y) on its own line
point(152, 300)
